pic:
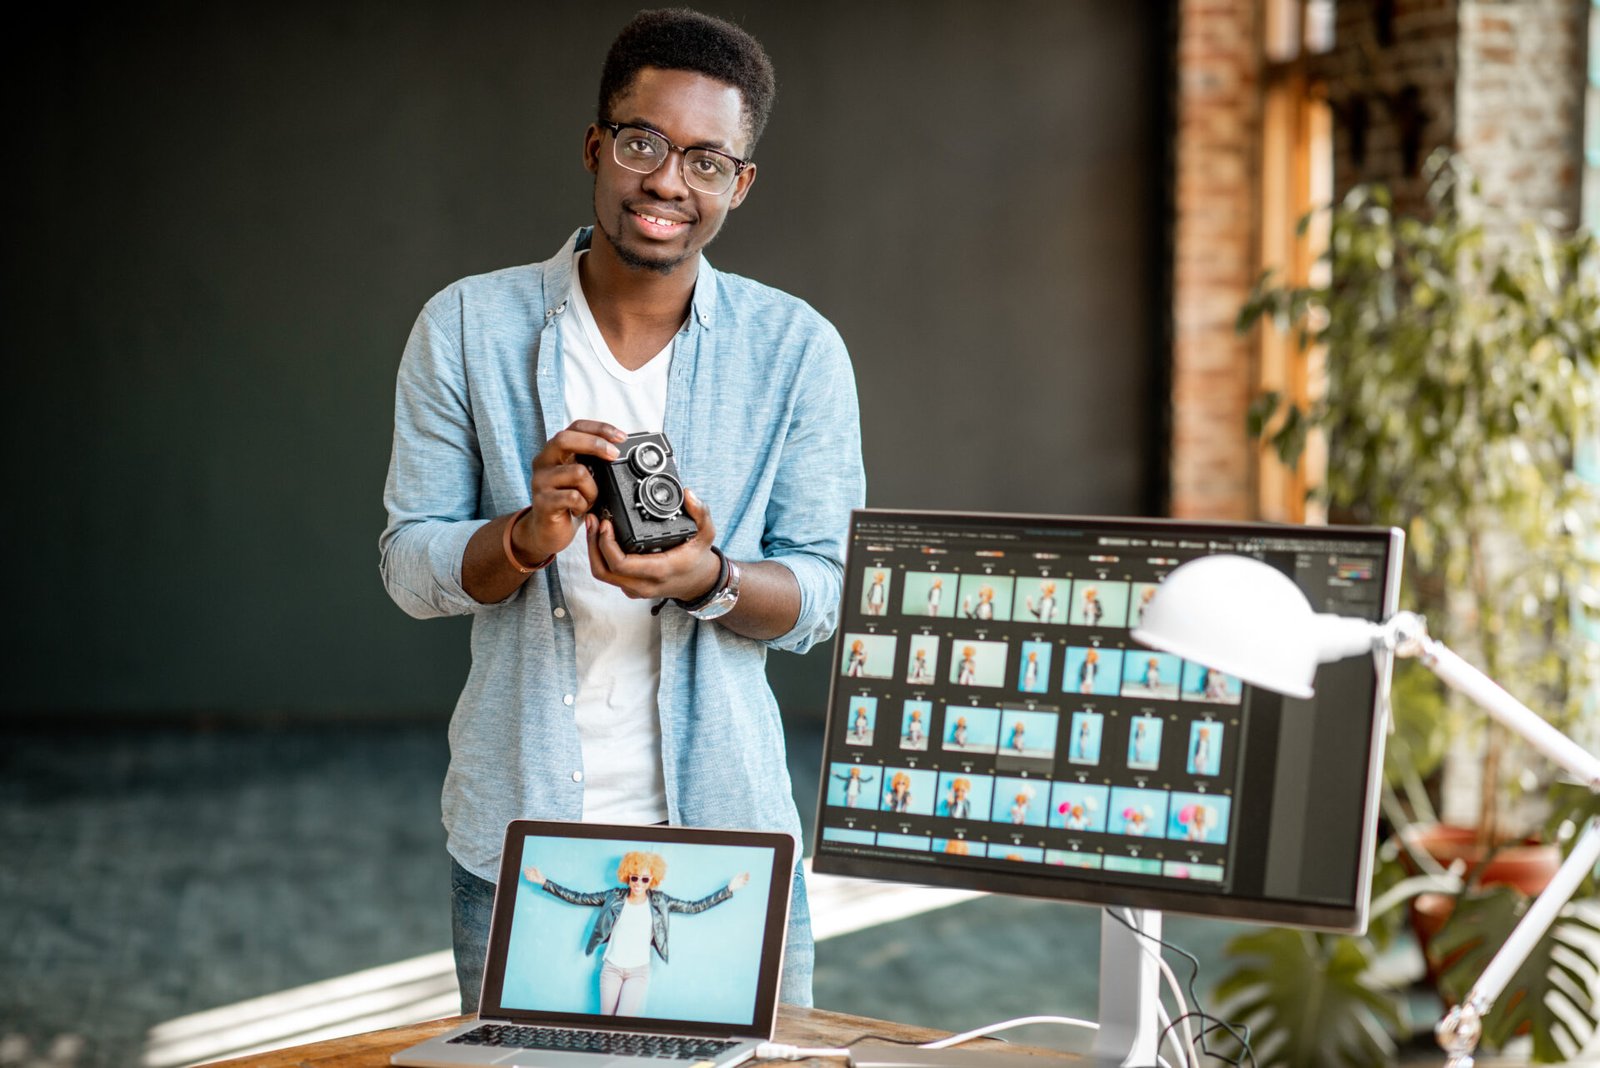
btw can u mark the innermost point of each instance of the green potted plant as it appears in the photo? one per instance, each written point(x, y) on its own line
point(1460, 381)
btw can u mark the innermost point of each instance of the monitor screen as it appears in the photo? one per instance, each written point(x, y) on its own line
point(993, 726)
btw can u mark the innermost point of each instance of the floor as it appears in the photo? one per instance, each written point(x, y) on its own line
point(152, 875)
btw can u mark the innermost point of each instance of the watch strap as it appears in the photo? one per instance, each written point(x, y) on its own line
point(723, 600)
point(724, 593)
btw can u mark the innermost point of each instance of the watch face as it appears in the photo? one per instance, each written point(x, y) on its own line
point(724, 599)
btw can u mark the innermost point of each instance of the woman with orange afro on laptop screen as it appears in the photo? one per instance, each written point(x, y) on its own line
point(633, 921)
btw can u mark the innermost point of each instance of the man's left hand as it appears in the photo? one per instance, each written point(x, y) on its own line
point(685, 572)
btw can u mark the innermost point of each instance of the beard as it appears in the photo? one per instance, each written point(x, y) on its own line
point(637, 262)
point(635, 259)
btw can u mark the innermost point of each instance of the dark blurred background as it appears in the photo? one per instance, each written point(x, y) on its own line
point(226, 217)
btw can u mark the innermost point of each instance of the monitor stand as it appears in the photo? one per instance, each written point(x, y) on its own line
point(1130, 1003)
point(1130, 990)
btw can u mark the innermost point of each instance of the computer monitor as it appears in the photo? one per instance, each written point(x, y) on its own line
point(993, 726)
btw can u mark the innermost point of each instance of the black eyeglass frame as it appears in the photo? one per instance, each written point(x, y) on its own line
point(739, 165)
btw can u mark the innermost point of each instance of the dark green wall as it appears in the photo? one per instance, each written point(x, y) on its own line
point(223, 220)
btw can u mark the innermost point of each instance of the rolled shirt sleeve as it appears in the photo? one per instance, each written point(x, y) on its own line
point(820, 479)
point(431, 493)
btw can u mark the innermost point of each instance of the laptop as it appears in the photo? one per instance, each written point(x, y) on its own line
point(616, 945)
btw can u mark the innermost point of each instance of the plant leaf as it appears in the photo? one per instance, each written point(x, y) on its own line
point(1310, 999)
point(1479, 926)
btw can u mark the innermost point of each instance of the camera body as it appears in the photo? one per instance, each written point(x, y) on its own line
point(641, 494)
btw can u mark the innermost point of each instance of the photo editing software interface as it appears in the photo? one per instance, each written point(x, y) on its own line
point(993, 724)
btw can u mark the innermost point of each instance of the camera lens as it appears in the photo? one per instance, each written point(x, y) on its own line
point(660, 496)
point(647, 458)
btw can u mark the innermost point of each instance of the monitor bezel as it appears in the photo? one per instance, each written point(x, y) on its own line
point(967, 874)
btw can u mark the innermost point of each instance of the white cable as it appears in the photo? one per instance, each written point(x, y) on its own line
point(1185, 1026)
point(1021, 1021)
point(1172, 1040)
point(778, 1051)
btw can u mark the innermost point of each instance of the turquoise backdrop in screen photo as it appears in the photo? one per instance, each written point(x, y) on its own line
point(1112, 598)
point(1036, 655)
point(987, 661)
point(923, 785)
point(916, 600)
point(983, 728)
point(877, 585)
point(1150, 674)
point(971, 592)
point(715, 955)
point(928, 645)
point(876, 651)
point(1038, 600)
point(1105, 678)
point(869, 785)
point(979, 791)
point(1038, 730)
point(1201, 683)
point(1029, 798)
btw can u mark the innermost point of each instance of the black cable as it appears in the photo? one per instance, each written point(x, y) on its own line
point(1215, 1024)
point(1243, 1040)
point(1194, 998)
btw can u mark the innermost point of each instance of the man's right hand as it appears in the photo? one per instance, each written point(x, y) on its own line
point(562, 489)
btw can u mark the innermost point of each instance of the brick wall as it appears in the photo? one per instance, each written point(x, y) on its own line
point(1391, 81)
point(1501, 80)
point(1520, 107)
point(1218, 119)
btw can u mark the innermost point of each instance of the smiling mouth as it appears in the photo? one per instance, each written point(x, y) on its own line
point(657, 222)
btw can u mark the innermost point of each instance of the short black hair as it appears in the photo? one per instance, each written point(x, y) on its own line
point(677, 38)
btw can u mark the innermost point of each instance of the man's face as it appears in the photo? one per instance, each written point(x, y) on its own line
point(654, 221)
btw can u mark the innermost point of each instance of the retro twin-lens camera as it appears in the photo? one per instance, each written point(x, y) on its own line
point(641, 495)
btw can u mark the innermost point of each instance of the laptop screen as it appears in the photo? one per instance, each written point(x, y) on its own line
point(639, 928)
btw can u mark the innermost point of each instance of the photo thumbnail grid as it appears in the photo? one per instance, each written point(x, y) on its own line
point(1028, 666)
point(930, 643)
point(973, 799)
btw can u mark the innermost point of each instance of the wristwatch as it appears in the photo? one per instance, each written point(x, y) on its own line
point(722, 597)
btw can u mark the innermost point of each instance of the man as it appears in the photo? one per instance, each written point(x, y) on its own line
point(604, 686)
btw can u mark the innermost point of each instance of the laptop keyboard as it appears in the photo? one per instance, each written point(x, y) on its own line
point(617, 1043)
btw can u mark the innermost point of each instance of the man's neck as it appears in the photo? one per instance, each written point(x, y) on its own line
point(637, 310)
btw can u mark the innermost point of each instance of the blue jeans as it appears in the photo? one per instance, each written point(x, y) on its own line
point(472, 907)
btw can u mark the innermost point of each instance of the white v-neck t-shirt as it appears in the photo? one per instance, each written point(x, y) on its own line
point(618, 640)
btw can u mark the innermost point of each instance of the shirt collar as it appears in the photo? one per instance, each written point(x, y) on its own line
point(558, 282)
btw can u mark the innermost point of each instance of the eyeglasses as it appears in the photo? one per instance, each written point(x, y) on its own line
point(643, 151)
point(638, 878)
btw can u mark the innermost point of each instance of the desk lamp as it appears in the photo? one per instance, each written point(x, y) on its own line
point(1243, 617)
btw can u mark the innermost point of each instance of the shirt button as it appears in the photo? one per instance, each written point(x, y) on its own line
point(561, 613)
point(577, 776)
point(567, 700)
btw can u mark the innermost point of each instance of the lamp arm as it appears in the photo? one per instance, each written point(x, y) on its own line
point(1410, 638)
point(1458, 1033)
point(1462, 1027)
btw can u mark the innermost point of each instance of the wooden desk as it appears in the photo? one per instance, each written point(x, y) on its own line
point(800, 1027)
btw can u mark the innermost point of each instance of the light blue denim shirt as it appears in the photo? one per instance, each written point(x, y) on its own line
point(763, 417)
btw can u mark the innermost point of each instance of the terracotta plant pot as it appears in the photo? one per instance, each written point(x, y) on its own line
point(1528, 866)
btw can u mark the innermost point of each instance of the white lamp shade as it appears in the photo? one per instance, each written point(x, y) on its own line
point(1246, 618)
